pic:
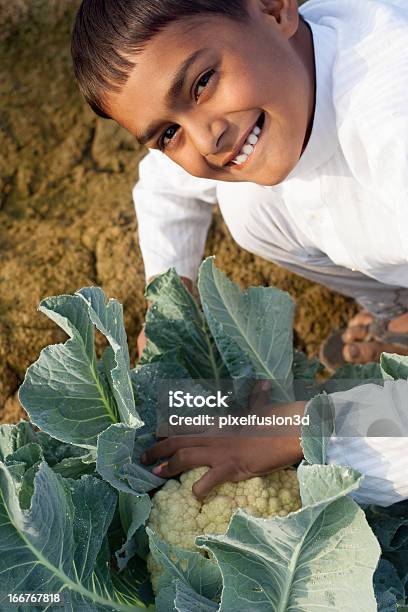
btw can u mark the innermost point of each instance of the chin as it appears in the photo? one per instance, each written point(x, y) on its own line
point(272, 178)
point(277, 175)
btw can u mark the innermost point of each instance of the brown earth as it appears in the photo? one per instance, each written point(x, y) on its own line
point(66, 212)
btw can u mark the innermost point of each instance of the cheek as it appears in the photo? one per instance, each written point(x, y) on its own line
point(241, 90)
point(192, 162)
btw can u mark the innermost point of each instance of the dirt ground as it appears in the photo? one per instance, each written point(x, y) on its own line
point(66, 212)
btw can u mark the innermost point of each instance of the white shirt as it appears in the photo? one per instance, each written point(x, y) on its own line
point(364, 419)
point(345, 204)
point(346, 201)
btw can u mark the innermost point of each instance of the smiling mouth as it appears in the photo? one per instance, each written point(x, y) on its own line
point(250, 144)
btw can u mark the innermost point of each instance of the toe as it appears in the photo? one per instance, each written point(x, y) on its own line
point(362, 318)
point(355, 332)
point(362, 352)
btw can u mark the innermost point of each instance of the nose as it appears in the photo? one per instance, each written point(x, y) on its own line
point(207, 135)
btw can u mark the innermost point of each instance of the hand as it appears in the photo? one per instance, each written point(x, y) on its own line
point(232, 458)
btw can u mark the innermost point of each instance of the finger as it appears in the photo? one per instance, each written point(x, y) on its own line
point(169, 446)
point(215, 476)
point(183, 460)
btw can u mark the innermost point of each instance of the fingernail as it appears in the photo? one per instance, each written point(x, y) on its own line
point(157, 470)
point(353, 350)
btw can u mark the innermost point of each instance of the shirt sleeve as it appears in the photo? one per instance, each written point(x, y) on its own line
point(388, 168)
point(374, 128)
point(382, 300)
point(174, 213)
point(370, 435)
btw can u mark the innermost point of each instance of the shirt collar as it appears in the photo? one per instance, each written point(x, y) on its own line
point(323, 139)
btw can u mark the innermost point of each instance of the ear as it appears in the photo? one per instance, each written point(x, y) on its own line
point(284, 12)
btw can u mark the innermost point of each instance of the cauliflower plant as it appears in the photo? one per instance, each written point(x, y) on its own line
point(177, 517)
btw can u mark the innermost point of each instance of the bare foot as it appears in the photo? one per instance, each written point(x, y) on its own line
point(359, 348)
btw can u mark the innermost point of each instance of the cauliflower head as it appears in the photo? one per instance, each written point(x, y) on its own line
point(177, 517)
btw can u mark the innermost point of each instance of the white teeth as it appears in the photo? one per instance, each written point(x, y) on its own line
point(248, 147)
point(241, 159)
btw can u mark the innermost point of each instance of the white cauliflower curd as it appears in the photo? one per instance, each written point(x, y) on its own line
point(177, 517)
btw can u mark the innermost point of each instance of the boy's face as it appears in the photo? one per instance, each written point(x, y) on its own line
point(246, 85)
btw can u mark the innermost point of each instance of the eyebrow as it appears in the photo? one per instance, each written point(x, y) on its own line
point(172, 95)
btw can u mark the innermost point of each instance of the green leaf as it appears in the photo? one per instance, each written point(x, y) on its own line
point(107, 316)
point(387, 586)
point(165, 599)
point(134, 512)
point(174, 321)
point(358, 372)
point(305, 368)
point(305, 371)
point(190, 567)
point(119, 453)
point(187, 600)
point(59, 544)
point(353, 375)
point(13, 437)
point(62, 391)
point(257, 321)
point(29, 455)
point(238, 364)
point(75, 467)
point(21, 448)
point(56, 451)
point(326, 483)
point(322, 556)
point(394, 367)
point(67, 393)
point(390, 525)
point(316, 435)
point(23, 465)
point(147, 380)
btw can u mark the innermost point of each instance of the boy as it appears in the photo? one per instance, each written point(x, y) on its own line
point(296, 125)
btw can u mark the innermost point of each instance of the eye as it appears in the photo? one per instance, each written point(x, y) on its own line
point(202, 83)
point(167, 136)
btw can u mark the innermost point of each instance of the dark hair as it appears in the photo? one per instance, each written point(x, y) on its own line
point(107, 32)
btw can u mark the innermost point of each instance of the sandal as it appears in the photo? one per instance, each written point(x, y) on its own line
point(331, 350)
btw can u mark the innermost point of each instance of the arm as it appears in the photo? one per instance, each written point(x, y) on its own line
point(360, 438)
point(244, 453)
point(174, 213)
point(370, 432)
